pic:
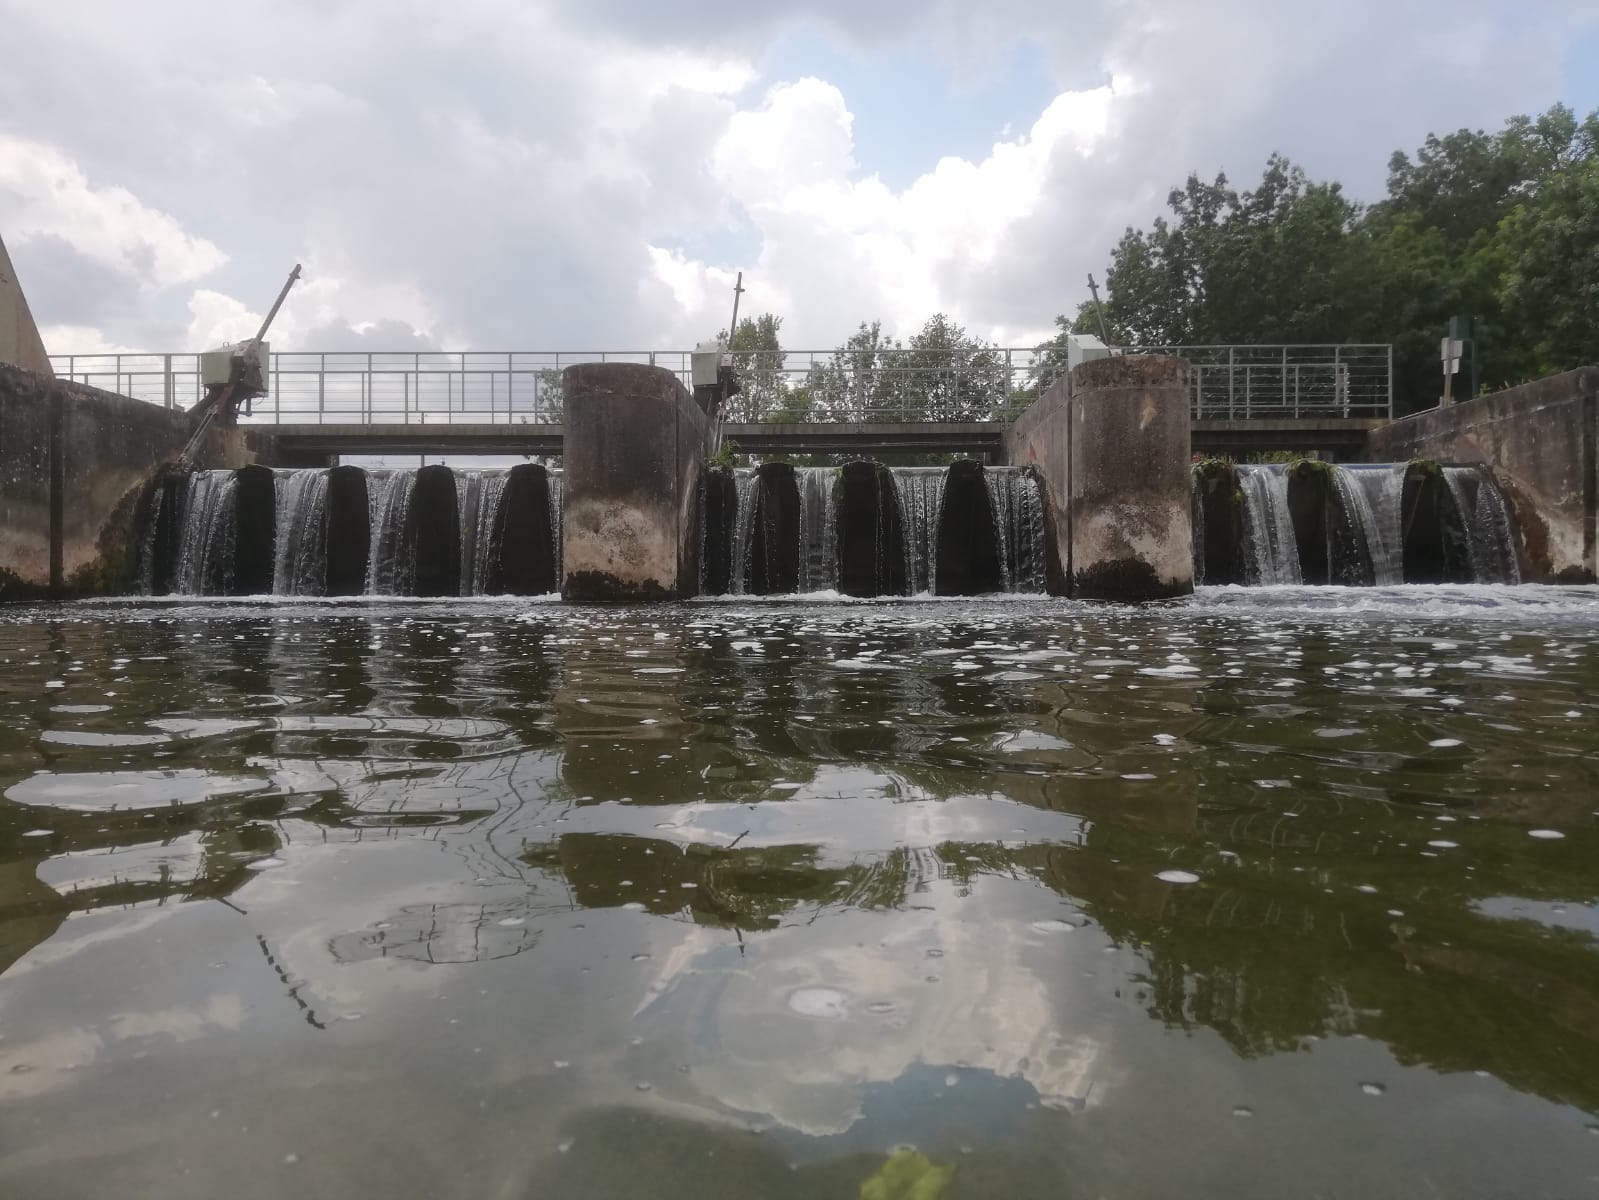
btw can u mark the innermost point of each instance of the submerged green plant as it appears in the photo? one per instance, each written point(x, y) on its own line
point(907, 1175)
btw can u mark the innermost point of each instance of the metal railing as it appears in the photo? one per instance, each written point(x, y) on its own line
point(880, 386)
point(1307, 382)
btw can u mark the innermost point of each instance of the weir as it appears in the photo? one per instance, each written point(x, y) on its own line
point(1104, 507)
point(1361, 524)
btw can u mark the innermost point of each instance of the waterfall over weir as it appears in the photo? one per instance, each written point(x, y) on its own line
point(1361, 524)
point(868, 530)
point(346, 531)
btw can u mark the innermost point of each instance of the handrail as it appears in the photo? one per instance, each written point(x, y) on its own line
point(1242, 382)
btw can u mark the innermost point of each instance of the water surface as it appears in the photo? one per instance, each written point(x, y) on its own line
point(1277, 892)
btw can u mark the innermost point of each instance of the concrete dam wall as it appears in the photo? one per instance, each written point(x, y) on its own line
point(1540, 441)
point(77, 467)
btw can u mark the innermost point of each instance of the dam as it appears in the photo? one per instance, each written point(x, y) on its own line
point(1075, 804)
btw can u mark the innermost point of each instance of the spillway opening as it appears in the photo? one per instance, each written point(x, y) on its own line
point(718, 519)
point(968, 552)
point(1218, 523)
point(161, 546)
point(772, 554)
point(521, 552)
point(1328, 535)
point(432, 538)
point(1436, 542)
point(348, 536)
point(870, 534)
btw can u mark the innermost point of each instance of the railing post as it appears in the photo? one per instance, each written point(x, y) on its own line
point(1232, 379)
point(277, 392)
point(1390, 388)
point(321, 387)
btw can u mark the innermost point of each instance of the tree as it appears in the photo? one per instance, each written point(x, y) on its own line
point(1551, 278)
point(757, 353)
point(1497, 226)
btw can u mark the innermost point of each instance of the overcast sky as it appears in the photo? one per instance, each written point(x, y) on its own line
point(489, 174)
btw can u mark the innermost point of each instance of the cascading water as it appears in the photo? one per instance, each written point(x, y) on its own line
point(205, 559)
point(1373, 497)
point(1018, 508)
point(1487, 521)
point(480, 509)
point(818, 529)
point(743, 527)
point(299, 558)
point(1268, 526)
point(921, 503)
point(389, 572)
point(554, 482)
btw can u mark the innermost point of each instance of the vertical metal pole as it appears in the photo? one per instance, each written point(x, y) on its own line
point(510, 385)
point(1232, 378)
point(1282, 382)
point(1247, 396)
point(277, 393)
point(1296, 391)
point(1340, 396)
point(1390, 381)
point(321, 386)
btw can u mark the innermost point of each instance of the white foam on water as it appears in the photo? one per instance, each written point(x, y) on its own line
point(1177, 877)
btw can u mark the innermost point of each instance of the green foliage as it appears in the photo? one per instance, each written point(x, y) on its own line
point(1501, 226)
point(757, 353)
point(943, 373)
point(726, 455)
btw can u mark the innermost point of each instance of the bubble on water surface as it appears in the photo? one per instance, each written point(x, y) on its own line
point(1548, 835)
point(1442, 844)
point(1051, 926)
point(1177, 877)
point(1444, 743)
point(1373, 1089)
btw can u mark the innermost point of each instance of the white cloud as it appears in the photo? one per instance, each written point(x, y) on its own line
point(44, 193)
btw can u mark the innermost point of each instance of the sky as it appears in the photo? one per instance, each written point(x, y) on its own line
point(592, 174)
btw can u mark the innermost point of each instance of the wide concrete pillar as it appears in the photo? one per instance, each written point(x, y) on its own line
point(635, 444)
point(1129, 489)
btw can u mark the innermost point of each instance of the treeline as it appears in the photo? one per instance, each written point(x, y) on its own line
point(1500, 226)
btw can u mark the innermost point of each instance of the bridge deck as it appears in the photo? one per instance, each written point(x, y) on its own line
point(304, 442)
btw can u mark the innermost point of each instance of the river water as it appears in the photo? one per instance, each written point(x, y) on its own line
point(1271, 893)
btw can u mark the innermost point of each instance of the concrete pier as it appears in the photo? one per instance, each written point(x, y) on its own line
point(636, 444)
point(1112, 446)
